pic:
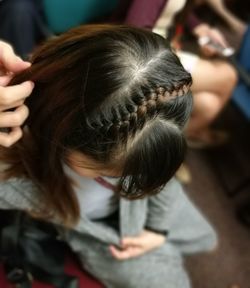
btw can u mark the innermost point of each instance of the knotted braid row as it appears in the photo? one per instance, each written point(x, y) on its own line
point(141, 107)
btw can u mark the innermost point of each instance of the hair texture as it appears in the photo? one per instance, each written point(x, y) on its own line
point(114, 93)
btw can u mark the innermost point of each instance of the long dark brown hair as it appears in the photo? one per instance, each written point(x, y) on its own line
point(115, 93)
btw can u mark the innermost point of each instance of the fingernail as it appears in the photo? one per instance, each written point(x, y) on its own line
point(32, 84)
point(27, 63)
point(19, 59)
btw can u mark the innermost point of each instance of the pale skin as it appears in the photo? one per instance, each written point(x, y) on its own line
point(214, 34)
point(12, 97)
point(210, 93)
point(213, 84)
point(130, 247)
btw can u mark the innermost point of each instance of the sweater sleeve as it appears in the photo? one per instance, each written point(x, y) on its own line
point(187, 228)
point(162, 206)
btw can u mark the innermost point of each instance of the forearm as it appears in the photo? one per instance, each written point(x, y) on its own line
point(234, 22)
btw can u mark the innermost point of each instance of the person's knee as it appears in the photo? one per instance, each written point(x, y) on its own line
point(232, 76)
point(229, 79)
point(142, 273)
point(206, 105)
point(125, 275)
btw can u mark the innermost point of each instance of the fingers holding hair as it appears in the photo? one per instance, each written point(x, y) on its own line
point(12, 97)
point(7, 139)
point(11, 94)
point(14, 118)
point(9, 62)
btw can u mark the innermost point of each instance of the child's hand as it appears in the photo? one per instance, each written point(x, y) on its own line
point(138, 245)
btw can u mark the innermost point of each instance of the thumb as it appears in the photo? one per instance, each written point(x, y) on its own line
point(15, 64)
point(9, 61)
point(130, 241)
point(4, 80)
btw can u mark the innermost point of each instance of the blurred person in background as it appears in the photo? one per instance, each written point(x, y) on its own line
point(235, 23)
point(213, 79)
point(22, 24)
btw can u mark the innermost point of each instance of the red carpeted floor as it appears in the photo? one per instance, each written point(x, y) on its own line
point(71, 268)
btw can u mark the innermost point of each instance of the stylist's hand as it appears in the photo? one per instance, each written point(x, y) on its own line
point(12, 97)
point(138, 245)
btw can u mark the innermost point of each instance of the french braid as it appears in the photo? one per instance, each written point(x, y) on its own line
point(142, 107)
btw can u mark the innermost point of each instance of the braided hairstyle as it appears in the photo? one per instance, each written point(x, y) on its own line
point(117, 94)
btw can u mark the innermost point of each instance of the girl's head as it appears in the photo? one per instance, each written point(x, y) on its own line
point(108, 99)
